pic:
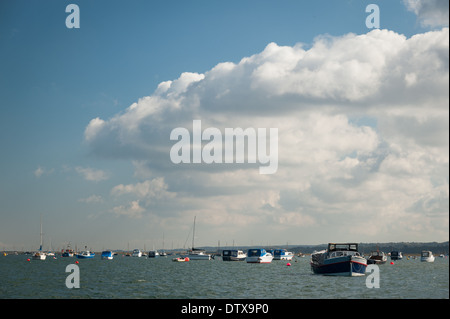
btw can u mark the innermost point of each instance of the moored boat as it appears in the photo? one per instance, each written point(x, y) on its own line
point(339, 260)
point(107, 254)
point(396, 255)
point(426, 256)
point(196, 253)
point(233, 255)
point(377, 257)
point(85, 254)
point(181, 259)
point(282, 254)
point(153, 254)
point(136, 253)
point(40, 255)
point(258, 256)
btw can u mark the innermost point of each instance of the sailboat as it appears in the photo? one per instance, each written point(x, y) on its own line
point(40, 255)
point(195, 253)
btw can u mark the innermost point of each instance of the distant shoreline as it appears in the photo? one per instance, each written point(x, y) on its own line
point(409, 248)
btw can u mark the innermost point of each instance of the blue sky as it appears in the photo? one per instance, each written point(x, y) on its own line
point(54, 81)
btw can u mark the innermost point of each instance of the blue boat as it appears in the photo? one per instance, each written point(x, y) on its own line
point(107, 254)
point(85, 254)
point(339, 260)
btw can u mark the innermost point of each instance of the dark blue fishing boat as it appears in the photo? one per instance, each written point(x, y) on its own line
point(339, 260)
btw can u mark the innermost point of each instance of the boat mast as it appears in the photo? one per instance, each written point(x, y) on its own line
point(40, 246)
point(193, 234)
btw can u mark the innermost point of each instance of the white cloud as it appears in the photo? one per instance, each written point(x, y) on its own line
point(431, 13)
point(41, 171)
point(92, 199)
point(133, 210)
point(155, 188)
point(91, 174)
point(38, 172)
point(363, 138)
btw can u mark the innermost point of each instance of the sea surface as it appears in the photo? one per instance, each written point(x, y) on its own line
point(136, 278)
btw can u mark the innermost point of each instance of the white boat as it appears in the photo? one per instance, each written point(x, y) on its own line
point(339, 260)
point(195, 253)
point(258, 256)
point(198, 254)
point(233, 255)
point(136, 253)
point(282, 254)
point(40, 255)
point(107, 254)
point(427, 256)
point(377, 257)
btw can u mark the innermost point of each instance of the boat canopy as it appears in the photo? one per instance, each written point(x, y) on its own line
point(343, 247)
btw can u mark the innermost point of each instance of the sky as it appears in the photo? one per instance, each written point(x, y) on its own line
point(361, 114)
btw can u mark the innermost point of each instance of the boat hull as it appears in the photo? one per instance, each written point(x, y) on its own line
point(79, 256)
point(342, 266)
point(286, 257)
point(232, 258)
point(259, 259)
point(198, 257)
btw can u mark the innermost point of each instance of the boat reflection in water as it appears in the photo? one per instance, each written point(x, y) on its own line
point(339, 260)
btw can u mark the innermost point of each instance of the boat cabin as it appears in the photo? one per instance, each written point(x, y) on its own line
point(256, 252)
point(340, 250)
point(232, 253)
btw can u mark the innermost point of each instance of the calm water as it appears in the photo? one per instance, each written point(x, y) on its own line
point(130, 277)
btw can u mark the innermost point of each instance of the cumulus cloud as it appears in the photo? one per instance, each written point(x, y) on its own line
point(133, 210)
point(431, 13)
point(362, 137)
